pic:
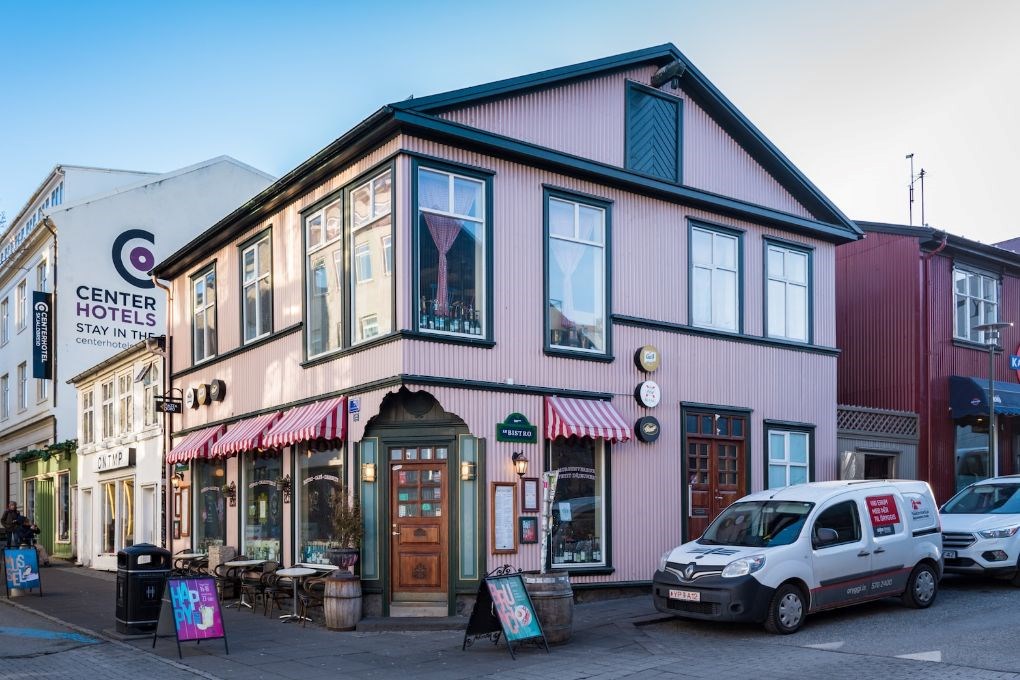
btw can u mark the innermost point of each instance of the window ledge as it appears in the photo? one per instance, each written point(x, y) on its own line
point(448, 339)
point(583, 356)
point(969, 344)
point(354, 349)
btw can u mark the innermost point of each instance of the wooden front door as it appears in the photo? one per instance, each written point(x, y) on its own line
point(716, 468)
point(419, 516)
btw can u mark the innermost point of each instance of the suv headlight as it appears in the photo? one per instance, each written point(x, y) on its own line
point(663, 559)
point(1004, 532)
point(744, 566)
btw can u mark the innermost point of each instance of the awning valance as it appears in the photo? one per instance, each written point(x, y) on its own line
point(969, 397)
point(584, 418)
point(195, 445)
point(321, 420)
point(247, 435)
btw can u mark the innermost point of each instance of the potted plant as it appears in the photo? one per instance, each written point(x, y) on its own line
point(346, 529)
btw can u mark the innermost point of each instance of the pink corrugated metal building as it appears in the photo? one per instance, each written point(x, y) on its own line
point(459, 269)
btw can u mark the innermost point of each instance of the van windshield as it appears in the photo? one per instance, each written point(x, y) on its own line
point(985, 499)
point(756, 524)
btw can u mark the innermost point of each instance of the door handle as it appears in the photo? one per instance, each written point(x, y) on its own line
point(863, 553)
point(718, 498)
point(395, 532)
point(879, 550)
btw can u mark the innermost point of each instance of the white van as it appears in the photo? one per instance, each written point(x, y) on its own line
point(775, 556)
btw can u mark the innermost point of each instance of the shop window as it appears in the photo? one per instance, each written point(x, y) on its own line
point(203, 313)
point(972, 462)
point(320, 475)
point(109, 517)
point(578, 509)
point(576, 273)
point(977, 302)
point(714, 282)
point(209, 478)
point(64, 507)
point(323, 229)
point(788, 292)
point(452, 276)
point(127, 513)
point(788, 457)
point(257, 289)
point(263, 506)
point(88, 433)
point(371, 226)
point(125, 405)
point(106, 390)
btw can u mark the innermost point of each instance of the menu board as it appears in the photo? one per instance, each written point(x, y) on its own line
point(504, 517)
point(21, 568)
point(503, 607)
point(196, 608)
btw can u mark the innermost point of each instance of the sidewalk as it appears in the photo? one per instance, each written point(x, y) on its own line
point(262, 647)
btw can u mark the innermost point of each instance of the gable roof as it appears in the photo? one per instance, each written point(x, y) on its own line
point(695, 84)
point(930, 239)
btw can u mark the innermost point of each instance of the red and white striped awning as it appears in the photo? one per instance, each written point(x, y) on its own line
point(584, 418)
point(195, 445)
point(247, 435)
point(321, 420)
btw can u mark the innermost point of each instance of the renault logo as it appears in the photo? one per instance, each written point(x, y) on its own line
point(689, 572)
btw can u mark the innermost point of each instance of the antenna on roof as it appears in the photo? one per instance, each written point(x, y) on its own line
point(910, 191)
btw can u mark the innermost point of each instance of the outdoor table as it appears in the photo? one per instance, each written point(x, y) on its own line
point(324, 568)
point(243, 564)
point(295, 574)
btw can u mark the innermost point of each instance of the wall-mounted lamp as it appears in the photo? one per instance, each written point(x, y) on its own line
point(219, 472)
point(230, 491)
point(520, 463)
point(177, 479)
point(368, 472)
point(284, 485)
point(467, 471)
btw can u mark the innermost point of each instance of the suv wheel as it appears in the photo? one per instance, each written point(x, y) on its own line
point(786, 611)
point(1016, 577)
point(922, 587)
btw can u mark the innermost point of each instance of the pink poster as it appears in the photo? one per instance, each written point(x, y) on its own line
point(196, 608)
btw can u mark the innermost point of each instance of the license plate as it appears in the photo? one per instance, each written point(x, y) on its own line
point(949, 554)
point(688, 595)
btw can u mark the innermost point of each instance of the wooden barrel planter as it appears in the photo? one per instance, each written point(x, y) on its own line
point(341, 602)
point(554, 604)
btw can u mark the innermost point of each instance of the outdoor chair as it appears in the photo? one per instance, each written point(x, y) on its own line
point(253, 583)
point(311, 596)
point(278, 591)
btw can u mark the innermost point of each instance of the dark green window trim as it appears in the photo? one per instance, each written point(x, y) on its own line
point(628, 143)
point(668, 327)
point(447, 339)
point(693, 224)
point(605, 205)
point(769, 426)
point(241, 349)
point(267, 234)
point(807, 251)
point(348, 351)
point(210, 267)
point(607, 513)
point(486, 179)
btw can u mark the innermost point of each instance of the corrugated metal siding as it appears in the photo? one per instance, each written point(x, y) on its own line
point(587, 119)
point(877, 299)
point(906, 460)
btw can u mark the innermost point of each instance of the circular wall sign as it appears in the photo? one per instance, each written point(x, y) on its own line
point(647, 429)
point(217, 390)
point(648, 394)
point(647, 358)
point(191, 398)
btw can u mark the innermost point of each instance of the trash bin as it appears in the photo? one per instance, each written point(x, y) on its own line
point(142, 571)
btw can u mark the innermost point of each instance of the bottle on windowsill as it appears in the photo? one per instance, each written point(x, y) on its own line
point(596, 552)
point(568, 554)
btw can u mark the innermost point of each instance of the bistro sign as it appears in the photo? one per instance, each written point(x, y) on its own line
point(516, 429)
point(113, 460)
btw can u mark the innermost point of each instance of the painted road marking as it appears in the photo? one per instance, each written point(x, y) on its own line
point(47, 634)
point(827, 645)
point(922, 656)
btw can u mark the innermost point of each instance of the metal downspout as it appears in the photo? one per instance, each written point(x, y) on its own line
point(925, 379)
point(168, 420)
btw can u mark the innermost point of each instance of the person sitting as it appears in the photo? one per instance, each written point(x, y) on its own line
point(9, 522)
point(25, 536)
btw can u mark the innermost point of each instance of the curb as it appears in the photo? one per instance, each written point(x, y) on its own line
point(109, 639)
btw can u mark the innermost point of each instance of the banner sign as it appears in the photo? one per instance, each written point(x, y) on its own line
point(42, 335)
point(503, 606)
point(21, 568)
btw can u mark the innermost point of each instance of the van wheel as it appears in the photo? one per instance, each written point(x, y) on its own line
point(922, 587)
point(786, 611)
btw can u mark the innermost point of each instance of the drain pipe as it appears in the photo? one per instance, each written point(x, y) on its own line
point(168, 419)
point(925, 379)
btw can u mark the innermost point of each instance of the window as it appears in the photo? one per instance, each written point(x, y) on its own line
point(20, 305)
point(452, 264)
point(88, 431)
point(127, 513)
point(109, 516)
point(5, 315)
point(319, 478)
point(842, 518)
point(714, 279)
point(576, 315)
point(789, 456)
point(387, 248)
point(578, 509)
point(30, 499)
point(22, 386)
point(263, 518)
point(106, 397)
point(64, 507)
point(788, 292)
point(5, 398)
point(42, 389)
point(257, 289)
point(371, 223)
point(210, 476)
point(653, 133)
point(369, 326)
point(125, 407)
point(150, 390)
point(204, 314)
point(118, 514)
point(977, 302)
point(325, 271)
point(42, 272)
point(972, 462)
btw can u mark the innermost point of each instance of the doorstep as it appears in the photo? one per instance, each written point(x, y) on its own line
point(417, 623)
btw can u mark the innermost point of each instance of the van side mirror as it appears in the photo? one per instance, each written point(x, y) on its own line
point(825, 536)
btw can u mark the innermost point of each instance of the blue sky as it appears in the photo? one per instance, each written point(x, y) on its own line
point(845, 90)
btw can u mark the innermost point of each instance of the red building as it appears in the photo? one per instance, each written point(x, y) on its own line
point(907, 301)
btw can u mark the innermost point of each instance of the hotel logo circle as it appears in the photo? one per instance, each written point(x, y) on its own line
point(133, 259)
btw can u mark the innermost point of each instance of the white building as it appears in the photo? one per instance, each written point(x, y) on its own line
point(88, 237)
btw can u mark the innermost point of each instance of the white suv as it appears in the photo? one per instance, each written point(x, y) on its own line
point(981, 529)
